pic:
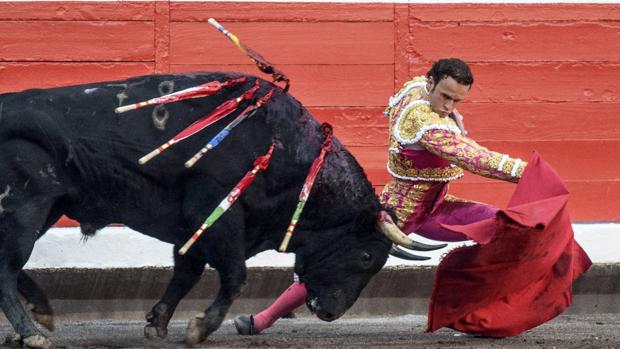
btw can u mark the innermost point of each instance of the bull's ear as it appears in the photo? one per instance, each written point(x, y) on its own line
point(384, 213)
point(365, 219)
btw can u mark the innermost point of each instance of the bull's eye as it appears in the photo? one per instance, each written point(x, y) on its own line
point(366, 257)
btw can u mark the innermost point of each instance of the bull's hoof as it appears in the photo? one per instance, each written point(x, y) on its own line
point(158, 319)
point(155, 332)
point(13, 340)
point(245, 325)
point(37, 342)
point(44, 318)
point(196, 332)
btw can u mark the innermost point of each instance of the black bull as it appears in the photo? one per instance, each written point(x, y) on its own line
point(65, 151)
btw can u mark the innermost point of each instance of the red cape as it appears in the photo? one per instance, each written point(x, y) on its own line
point(521, 272)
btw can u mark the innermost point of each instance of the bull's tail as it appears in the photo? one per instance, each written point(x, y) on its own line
point(37, 127)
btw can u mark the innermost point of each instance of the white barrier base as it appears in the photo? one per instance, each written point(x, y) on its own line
point(121, 247)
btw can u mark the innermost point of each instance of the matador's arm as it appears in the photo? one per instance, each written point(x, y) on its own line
point(466, 153)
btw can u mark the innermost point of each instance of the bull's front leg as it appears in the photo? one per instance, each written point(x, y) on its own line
point(187, 272)
point(232, 275)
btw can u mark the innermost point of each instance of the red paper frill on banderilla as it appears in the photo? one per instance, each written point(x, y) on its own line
point(521, 272)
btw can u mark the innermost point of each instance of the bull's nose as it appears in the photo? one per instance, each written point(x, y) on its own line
point(325, 316)
point(312, 304)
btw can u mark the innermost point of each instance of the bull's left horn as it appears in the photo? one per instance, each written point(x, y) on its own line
point(389, 229)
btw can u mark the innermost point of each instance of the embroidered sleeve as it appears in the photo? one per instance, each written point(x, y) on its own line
point(466, 153)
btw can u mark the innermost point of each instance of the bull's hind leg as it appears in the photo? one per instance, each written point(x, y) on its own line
point(187, 272)
point(18, 231)
point(36, 299)
point(30, 187)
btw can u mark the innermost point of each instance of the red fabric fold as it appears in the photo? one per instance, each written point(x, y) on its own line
point(521, 273)
point(481, 232)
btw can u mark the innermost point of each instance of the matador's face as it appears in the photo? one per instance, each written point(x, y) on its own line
point(445, 95)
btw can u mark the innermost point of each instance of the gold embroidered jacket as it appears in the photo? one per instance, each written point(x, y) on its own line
point(425, 146)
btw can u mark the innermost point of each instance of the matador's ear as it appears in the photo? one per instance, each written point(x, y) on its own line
point(430, 84)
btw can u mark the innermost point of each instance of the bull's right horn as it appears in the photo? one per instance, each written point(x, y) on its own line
point(389, 229)
point(402, 254)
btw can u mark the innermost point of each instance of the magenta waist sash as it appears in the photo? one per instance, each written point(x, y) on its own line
point(424, 159)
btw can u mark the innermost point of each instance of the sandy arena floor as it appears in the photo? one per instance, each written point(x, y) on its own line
point(568, 331)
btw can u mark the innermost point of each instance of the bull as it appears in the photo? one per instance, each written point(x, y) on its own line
point(64, 151)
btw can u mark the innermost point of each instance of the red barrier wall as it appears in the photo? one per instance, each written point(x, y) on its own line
point(546, 75)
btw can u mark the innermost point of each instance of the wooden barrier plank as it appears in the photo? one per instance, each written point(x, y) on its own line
point(594, 200)
point(77, 11)
point(284, 43)
point(574, 160)
point(278, 11)
point(324, 85)
point(517, 42)
point(361, 136)
point(20, 76)
point(377, 135)
point(403, 52)
point(495, 121)
point(352, 117)
point(536, 82)
point(162, 36)
point(66, 222)
point(76, 41)
point(514, 12)
point(542, 121)
point(585, 204)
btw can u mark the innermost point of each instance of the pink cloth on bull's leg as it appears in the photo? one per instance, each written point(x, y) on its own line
point(289, 300)
point(452, 211)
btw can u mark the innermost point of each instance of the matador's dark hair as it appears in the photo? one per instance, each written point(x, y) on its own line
point(451, 67)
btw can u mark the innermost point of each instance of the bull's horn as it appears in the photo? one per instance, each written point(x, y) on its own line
point(398, 237)
point(402, 254)
point(429, 247)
